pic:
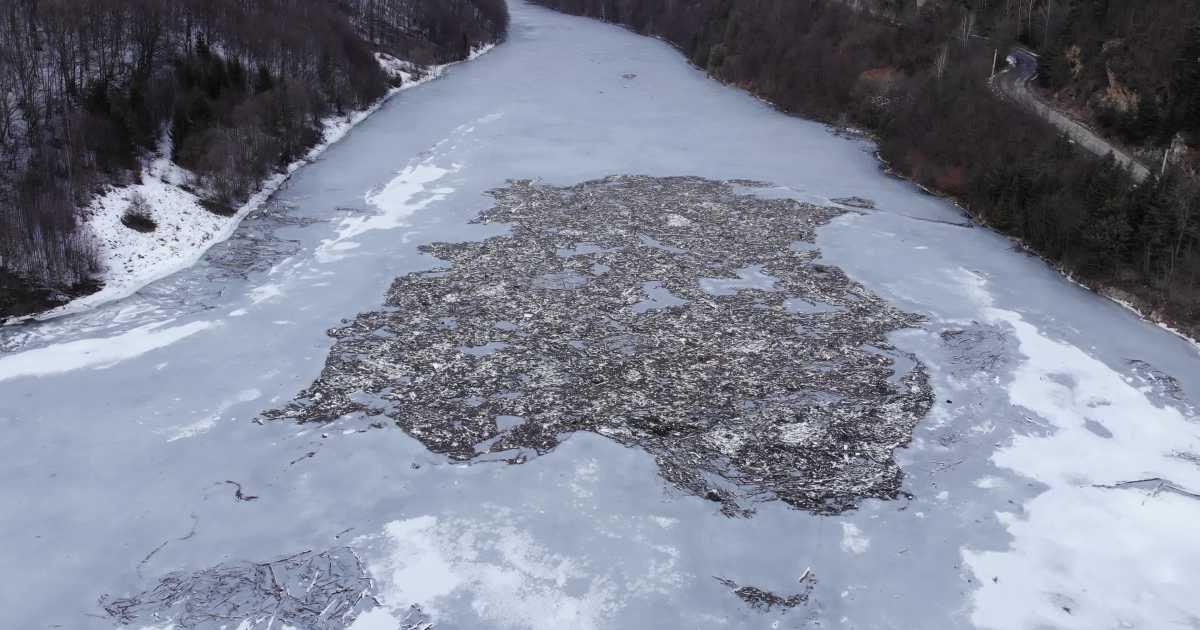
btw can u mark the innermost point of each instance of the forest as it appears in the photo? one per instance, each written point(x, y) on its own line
point(916, 75)
point(89, 87)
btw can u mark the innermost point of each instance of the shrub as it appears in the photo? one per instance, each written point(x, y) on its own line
point(137, 215)
point(218, 207)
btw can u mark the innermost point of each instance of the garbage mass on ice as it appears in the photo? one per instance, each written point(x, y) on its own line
point(672, 314)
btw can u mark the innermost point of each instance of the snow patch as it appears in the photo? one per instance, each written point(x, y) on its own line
point(375, 619)
point(265, 292)
point(131, 259)
point(1146, 316)
point(208, 422)
point(406, 71)
point(499, 573)
point(192, 430)
point(413, 189)
point(98, 352)
point(853, 540)
point(407, 192)
point(988, 482)
point(480, 51)
point(522, 585)
point(1088, 553)
point(665, 522)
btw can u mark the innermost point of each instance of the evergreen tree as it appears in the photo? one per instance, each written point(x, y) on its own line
point(1185, 82)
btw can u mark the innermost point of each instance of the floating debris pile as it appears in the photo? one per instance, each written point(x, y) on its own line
point(763, 600)
point(670, 314)
point(323, 590)
point(855, 202)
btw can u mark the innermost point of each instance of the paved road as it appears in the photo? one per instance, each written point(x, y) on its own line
point(1013, 82)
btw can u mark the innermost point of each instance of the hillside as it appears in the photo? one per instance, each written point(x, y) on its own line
point(227, 93)
point(1130, 68)
point(916, 75)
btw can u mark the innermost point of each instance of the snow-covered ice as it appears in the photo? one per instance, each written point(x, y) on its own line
point(97, 351)
point(1087, 553)
point(509, 578)
point(853, 540)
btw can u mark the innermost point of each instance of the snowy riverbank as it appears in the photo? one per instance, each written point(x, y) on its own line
point(185, 230)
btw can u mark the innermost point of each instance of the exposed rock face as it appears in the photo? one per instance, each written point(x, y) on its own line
point(1118, 97)
point(671, 314)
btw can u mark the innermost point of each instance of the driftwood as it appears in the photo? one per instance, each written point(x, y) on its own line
point(668, 314)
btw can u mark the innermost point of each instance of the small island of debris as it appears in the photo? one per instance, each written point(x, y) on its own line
point(669, 314)
point(311, 589)
point(763, 600)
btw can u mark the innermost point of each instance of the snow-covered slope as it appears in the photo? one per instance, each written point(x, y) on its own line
point(130, 258)
point(185, 229)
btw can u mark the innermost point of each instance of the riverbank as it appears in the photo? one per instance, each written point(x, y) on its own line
point(946, 131)
point(184, 229)
point(171, 381)
point(1126, 297)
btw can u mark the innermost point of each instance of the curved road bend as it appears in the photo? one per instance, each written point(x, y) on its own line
point(1013, 82)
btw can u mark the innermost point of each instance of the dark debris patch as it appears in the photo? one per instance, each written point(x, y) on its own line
point(978, 349)
point(524, 338)
point(319, 590)
point(238, 494)
point(855, 202)
point(764, 601)
point(1161, 383)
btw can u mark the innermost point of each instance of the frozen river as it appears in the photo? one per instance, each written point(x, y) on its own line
point(131, 451)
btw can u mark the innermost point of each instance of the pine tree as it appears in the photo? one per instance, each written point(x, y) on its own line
point(1185, 82)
